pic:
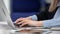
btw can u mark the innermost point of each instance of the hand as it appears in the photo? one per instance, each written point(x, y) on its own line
point(30, 22)
point(20, 19)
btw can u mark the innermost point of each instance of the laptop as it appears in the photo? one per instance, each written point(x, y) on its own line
point(11, 23)
point(4, 14)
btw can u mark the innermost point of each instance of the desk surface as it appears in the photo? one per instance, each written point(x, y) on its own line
point(4, 28)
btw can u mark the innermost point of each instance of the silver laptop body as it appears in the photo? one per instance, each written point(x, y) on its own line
point(5, 15)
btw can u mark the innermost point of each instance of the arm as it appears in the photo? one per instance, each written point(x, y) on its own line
point(53, 22)
point(50, 23)
point(53, 5)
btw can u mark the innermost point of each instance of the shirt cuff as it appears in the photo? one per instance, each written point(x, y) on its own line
point(51, 23)
point(47, 23)
point(34, 17)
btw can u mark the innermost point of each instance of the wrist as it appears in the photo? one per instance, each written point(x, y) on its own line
point(29, 18)
point(40, 23)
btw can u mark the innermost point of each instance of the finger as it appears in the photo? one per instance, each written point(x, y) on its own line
point(23, 24)
point(18, 20)
point(20, 23)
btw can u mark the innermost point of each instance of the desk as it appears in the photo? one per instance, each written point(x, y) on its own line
point(5, 29)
